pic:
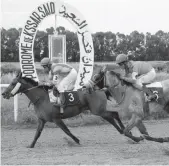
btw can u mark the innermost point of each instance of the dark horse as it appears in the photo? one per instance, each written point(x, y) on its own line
point(129, 100)
point(95, 101)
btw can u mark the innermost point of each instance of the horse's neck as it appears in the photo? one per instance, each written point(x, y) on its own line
point(37, 93)
point(118, 92)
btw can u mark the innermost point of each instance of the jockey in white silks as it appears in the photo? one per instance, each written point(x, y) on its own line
point(62, 76)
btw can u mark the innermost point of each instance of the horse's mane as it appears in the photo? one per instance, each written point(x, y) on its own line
point(30, 80)
point(118, 75)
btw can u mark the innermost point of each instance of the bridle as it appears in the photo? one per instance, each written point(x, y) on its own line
point(29, 89)
point(101, 78)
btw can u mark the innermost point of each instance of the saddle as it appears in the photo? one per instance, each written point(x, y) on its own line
point(68, 98)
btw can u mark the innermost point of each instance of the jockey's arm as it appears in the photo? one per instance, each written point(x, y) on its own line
point(133, 75)
point(50, 76)
point(62, 69)
point(48, 83)
point(131, 80)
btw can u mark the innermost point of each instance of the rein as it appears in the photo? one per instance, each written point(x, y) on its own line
point(29, 89)
point(99, 79)
point(94, 83)
point(37, 99)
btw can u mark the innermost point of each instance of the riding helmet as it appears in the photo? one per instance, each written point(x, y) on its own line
point(121, 58)
point(45, 61)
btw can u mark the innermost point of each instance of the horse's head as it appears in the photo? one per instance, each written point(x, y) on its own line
point(112, 79)
point(18, 85)
point(97, 80)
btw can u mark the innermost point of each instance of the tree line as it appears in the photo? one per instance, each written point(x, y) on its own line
point(107, 45)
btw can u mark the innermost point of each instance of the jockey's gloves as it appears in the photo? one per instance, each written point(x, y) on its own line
point(50, 84)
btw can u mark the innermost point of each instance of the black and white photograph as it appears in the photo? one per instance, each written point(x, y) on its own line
point(84, 82)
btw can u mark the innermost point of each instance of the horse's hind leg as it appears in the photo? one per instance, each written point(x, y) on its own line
point(143, 130)
point(131, 124)
point(61, 124)
point(41, 124)
point(109, 116)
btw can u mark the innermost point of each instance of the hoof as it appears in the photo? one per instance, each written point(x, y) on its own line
point(77, 141)
point(141, 138)
point(30, 146)
point(137, 140)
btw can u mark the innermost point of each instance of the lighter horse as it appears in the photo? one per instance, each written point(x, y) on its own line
point(130, 101)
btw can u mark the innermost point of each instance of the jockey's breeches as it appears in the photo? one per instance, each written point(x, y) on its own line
point(68, 82)
point(147, 78)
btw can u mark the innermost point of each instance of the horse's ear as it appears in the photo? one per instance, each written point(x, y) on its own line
point(19, 75)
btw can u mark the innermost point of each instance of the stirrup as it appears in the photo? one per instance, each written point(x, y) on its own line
point(156, 97)
point(61, 110)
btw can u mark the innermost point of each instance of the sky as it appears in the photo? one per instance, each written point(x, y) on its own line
point(122, 16)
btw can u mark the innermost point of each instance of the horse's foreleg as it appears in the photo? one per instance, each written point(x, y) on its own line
point(108, 116)
point(61, 124)
point(116, 116)
point(41, 124)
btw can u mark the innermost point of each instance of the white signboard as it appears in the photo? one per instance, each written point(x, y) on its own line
point(84, 36)
point(57, 47)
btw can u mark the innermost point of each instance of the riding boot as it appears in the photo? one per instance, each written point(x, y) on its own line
point(61, 110)
point(61, 104)
point(150, 94)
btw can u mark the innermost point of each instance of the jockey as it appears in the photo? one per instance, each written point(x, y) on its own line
point(63, 76)
point(138, 73)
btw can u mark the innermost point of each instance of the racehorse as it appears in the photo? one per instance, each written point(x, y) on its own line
point(47, 112)
point(130, 100)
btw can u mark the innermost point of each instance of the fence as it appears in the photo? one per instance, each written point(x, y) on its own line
point(15, 103)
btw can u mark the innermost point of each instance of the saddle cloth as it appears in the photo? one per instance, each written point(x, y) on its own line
point(156, 88)
point(68, 98)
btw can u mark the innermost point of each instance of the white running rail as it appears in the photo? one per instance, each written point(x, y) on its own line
point(15, 103)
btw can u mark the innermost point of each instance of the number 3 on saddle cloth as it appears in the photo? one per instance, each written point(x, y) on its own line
point(157, 89)
point(68, 98)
